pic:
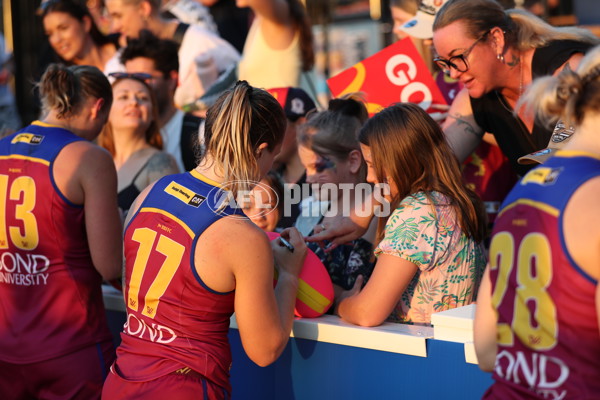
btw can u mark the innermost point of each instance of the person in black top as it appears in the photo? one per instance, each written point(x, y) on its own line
point(496, 54)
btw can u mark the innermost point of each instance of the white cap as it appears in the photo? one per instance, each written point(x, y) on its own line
point(560, 136)
point(421, 25)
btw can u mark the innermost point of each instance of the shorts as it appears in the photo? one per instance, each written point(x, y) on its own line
point(77, 375)
point(180, 386)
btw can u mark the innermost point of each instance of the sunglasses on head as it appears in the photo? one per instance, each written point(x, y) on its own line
point(47, 3)
point(140, 76)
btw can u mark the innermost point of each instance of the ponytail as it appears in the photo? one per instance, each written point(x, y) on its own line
point(236, 125)
point(300, 17)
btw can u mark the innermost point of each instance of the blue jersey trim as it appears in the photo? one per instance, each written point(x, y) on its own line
point(563, 244)
point(195, 272)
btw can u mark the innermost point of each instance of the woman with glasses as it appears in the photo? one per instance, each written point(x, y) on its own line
point(60, 236)
point(133, 138)
point(538, 310)
point(429, 257)
point(74, 36)
point(496, 54)
point(329, 150)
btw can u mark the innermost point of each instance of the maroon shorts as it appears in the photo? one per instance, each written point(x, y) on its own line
point(177, 385)
point(77, 375)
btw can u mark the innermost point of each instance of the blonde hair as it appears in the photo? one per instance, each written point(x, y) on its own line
point(65, 89)
point(409, 148)
point(152, 134)
point(241, 120)
point(567, 96)
point(523, 30)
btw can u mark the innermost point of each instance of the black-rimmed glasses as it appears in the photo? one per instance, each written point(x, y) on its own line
point(458, 62)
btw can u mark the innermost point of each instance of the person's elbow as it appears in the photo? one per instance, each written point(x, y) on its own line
point(264, 359)
point(485, 350)
point(485, 362)
point(368, 321)
point(362, 316)
point(109, 268)
point(268, 353)
point(111, 272)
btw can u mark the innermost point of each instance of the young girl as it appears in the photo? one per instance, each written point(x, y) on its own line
point(429, 255)
point(264, 206)
point(192, 260)
point(330, 152)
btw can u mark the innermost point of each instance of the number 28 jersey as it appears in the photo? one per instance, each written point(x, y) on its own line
point(174, 320)
point(547, 331)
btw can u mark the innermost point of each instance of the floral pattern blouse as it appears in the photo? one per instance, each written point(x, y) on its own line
point(450, 264)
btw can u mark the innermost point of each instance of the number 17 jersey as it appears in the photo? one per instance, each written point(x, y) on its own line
point(174, 321)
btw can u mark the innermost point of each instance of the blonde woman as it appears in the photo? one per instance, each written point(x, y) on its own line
point(496, 54)
point(210, 261)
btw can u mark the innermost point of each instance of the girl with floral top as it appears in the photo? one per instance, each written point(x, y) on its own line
point(429, 256)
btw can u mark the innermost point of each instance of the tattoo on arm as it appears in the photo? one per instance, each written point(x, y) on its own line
point(464, 124)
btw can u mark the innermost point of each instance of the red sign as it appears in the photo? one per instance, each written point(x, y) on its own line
point(395, 74)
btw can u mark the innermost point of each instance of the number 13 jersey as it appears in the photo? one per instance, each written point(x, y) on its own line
point(50, 293)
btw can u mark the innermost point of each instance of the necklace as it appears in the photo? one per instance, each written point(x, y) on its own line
point(520, 78)
point(503, 100)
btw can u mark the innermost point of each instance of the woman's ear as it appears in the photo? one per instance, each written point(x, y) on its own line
point(145, 10)
point(498, 39)
point(97, 108)
point(355, 161)
point(259, 150)
point(87, 23)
